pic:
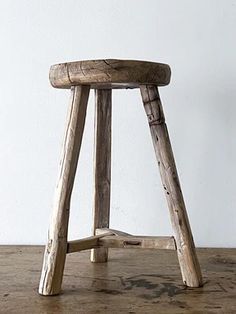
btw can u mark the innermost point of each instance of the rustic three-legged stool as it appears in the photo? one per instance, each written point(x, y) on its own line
point(103, 76)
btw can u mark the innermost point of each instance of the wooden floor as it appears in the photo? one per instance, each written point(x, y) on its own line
point(133, 281)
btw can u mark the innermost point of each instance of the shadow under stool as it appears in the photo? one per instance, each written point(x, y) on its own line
point(103, 76)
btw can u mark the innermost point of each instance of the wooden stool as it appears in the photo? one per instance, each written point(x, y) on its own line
point(103, 76)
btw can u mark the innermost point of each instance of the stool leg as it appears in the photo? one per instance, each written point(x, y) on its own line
point(188, 261)
point(56, 248)
point(102, 167)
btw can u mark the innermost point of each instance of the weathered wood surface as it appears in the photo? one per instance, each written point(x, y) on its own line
point(142, 242)
point(113, 231)
point(85, 243)
point(138, 281)
point(189, 264)
point(102, 167)
point(55, 251)
point(109, 73)
point(109, 240)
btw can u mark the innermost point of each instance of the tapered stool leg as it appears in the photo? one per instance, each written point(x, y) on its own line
point(188, 261)
point(102, 167)
point(56, 248)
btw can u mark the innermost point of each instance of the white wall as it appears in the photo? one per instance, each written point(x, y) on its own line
point(197, 38)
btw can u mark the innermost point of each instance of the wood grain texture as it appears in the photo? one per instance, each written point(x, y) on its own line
point(135, 281)
point(113, 231)
point(135, 242)
point(85, 243)
point(109, 73)
point(110, 240)
point(189, 264)
point(55, 252)
point(102, 167)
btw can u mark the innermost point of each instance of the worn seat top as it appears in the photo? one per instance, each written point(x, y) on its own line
point(109, 73)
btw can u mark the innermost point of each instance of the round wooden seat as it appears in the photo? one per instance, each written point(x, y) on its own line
point(109, 73)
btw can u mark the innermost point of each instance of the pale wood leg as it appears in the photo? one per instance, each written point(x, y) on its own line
point(55, 251)
point(188, 261)
point(102, 167)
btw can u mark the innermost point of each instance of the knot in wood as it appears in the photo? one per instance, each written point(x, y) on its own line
point(155, 121)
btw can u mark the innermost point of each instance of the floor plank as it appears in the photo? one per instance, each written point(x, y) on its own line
point(133, 281)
